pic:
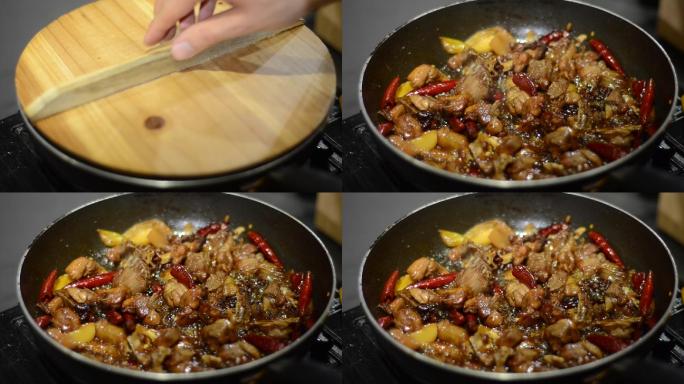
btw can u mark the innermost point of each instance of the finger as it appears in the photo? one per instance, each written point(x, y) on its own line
point(199, 37)
point(207, 10)
point(169, 13)
point(157, 7)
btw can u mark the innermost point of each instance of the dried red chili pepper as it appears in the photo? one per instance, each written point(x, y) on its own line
point(388, 98)
point(607, 343)
point(296, 281)
point(182, 275)
point(638, 281)
point(638, 89)
point(498, 96)
point(524, 276)
point(552, 229)
point(93, 281)
point(471, 128)
point(607, 55)
point(606, 248)
point(553, 36)
point(385, 321)
point(457, 124)
point(471, 322)
point(114, 317)
point(305, 293)
point(647, 102)
point(496, 288)
point(385, 128)
point(209, 230)
point(264, 343)
point(264, 247)
point(523, 81)
point(606, 151)
point(646, 295)
point(45, 292)
point(157, 288)
point(387, 293)
point(129, 321)
point(457, 317)
point(434, 89)
point(435, 282)
point(43, 321)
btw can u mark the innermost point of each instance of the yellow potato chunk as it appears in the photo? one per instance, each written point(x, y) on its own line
point(153, 232)
point(61, 282)
point(110, 238)
point(426, 142)
point(403, 90)
point(83, 335)
point(425, 335)
point(451, 239)
point(452, 46)
point(402, 283)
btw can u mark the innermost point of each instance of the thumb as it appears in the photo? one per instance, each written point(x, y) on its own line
point(201, 36)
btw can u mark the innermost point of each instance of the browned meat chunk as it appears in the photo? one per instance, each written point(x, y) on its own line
point(133, 275)
point(80, 267)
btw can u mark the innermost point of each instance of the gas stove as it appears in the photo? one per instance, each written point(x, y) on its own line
point(365, 361)
point(367, 170)
point(22, 361)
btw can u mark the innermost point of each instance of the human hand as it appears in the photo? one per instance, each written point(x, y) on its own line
point(246, 16)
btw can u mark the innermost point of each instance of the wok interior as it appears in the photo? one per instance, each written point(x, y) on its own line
point(418, 42)
point(417, 236)
point(75, 235)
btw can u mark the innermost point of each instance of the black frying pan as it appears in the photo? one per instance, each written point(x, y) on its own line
point(416, 235)
point(74, 234)
point(417, 42)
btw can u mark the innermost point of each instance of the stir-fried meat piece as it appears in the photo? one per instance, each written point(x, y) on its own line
point(559, 106)
point(408, 126)
point(133, 275)
point(407, 320)
point(475, 82)
point(65, 319)
point(423, 267)
point(515, 300)
point(540, 265)
point(80, 267)
point(475, 276)
point(118, 252)
point(184, 303)
point(560, 333)
point(198, 265)
point(423, 74)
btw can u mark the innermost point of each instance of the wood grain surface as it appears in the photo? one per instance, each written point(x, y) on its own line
point(227, 114)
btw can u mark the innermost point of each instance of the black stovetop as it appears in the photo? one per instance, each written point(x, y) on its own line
point(22, 168)
point(22, 362)
point(365, 361)
point(367, 170)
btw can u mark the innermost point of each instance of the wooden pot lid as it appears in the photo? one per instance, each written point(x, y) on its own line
point(225, 115)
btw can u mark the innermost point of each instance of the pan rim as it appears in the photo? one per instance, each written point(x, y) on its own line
point(179, 377)
point(170, 183)
point(512, 376)
point(584, 176)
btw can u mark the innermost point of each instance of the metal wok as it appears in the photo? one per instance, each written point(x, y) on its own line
point(416, 235)
point(74, 234)
point(416, 42)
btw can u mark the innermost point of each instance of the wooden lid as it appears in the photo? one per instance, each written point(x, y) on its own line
point(225, 115)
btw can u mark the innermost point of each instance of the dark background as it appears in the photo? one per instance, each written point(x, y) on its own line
point(367, 22)
point(366, 215)
point(25, 215)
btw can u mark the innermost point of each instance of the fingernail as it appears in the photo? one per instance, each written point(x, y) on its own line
point(182, 51)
